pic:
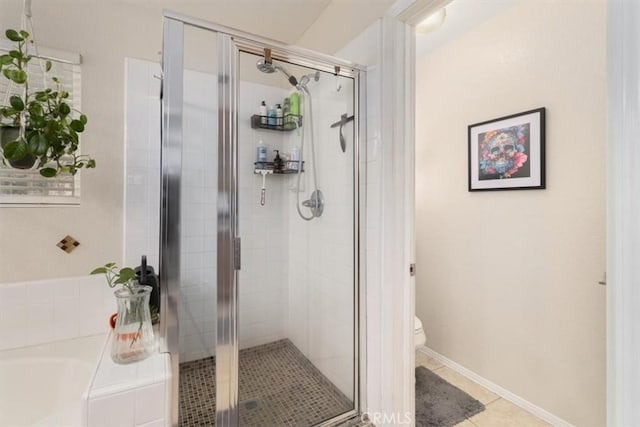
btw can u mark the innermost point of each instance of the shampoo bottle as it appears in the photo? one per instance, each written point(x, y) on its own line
point(271, 116)
point(279, 115)
point(263, 113)
point(295, 163)
point(261, 158)
point(295, 154)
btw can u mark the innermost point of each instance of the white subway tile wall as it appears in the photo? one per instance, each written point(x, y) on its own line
point(297, 277)
point(44, 311)
point(199, 216)
point(321, 252)
point(199, 184)
point(263, 277)
point(142, 159)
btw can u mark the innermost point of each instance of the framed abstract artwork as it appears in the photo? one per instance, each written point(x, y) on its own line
point(508, 153)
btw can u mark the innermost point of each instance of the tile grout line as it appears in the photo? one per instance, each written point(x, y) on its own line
point(492, 401)
point(471, 422)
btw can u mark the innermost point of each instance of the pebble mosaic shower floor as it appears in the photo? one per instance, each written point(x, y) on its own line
point(279, 386)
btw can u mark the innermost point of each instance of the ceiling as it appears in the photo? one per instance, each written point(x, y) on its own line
point(322, 25)
point(462, 16)
point(340, 22)
point(282, 20)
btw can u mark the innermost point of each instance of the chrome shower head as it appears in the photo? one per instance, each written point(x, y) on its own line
point(265, 67)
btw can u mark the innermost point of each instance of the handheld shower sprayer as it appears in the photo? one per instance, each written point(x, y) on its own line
point(304, 80)
point(316, 201)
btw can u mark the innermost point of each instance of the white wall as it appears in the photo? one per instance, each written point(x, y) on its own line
point(623, 234)
point(199, 187)
point(507, 281)
point(263, 278)
point(264, 229)
point(199, 216)
point(142, 162)
point(321, 261)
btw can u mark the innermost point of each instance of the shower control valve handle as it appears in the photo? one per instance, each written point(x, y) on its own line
point(315, 203)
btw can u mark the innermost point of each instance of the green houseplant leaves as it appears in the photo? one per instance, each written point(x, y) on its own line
point(39, 127)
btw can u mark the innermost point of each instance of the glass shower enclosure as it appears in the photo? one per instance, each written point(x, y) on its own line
point(260, 229)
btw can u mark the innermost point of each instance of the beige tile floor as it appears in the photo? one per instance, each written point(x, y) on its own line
point(498, 412)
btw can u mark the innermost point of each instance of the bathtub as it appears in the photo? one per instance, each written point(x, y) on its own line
point(43, 385)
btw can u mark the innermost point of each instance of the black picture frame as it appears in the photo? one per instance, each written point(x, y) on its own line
point(508, 153)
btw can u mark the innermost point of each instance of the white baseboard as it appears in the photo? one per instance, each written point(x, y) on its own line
point(502, 392)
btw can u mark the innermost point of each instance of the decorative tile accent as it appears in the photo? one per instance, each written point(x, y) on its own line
point(278, 386)
point(68, 244)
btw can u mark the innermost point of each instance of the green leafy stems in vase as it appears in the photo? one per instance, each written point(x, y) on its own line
point(126, 278)
point(38, 128)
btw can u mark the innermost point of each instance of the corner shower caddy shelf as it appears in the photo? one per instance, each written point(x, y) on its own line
point(289, 167)
point(289, 125)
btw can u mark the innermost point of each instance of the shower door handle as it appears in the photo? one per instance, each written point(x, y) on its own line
point(237, 253)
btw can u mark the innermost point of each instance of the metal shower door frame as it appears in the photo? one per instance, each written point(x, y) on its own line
point(230, 43)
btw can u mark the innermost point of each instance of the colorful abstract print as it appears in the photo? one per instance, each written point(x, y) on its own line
point(503, 153)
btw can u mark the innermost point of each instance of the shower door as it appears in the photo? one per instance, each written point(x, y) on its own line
point(261, 288)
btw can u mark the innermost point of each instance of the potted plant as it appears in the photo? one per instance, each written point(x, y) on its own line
point(132, 338)
point(38, 128)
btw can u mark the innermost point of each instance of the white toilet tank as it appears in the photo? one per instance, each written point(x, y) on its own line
point(419, 338)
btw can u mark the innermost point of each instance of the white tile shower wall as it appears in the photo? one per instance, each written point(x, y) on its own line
point(263, 277)
point(142, 159)
point(199, 216)
point(142, 204)
point(43, 311)
point(321, 261)
point(263, 283)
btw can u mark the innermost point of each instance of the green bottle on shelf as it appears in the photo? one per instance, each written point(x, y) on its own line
point(286, 110)
point(294, 101)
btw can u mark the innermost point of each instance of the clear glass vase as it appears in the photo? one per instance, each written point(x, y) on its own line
point(133, 338)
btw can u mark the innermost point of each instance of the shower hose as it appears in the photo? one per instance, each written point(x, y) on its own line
point(313, 159)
